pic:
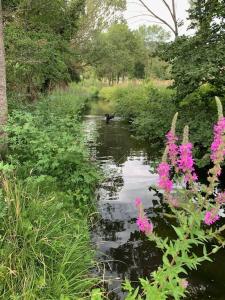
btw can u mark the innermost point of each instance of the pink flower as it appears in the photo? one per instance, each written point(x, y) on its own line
point(184, 283)
point(138, 202)
point(186, 162)
point(144, 225)
point(211, 217)
point(220, 198)
point(164, 181)
point(172, 147)
point(218, 147)
point(173, 201)
point(163, 169)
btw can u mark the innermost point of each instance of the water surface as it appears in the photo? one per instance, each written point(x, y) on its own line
point(123, 252)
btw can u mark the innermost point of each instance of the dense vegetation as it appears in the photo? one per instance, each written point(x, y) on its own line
point(46, 200)
point(145, 106)
point(195, 82)
point(44, 41)
point(122, 53)
point(47, 180)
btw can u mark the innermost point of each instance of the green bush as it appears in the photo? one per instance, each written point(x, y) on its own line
point(148, 108)
point(47, 140)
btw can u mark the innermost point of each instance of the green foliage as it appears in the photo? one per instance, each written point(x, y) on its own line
point(199, 78)
point(149, 108)
point(120, 52)
point(37, 42)
point(47, 141)
point(151, 38)
point(203, 66)
point(45, 242)
point(113, 53)
point(35, 61)
point(96, 294)
point(45, 41)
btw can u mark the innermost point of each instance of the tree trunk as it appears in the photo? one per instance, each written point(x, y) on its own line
point(3, 98)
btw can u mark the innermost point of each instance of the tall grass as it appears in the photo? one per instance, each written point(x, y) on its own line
point(45, 249)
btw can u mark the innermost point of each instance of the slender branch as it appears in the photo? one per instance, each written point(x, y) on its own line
point(158, 17)
point(175, 18)
point(141, 15)
point(168, 7)
point(146, 20)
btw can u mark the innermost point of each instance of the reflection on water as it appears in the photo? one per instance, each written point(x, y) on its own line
point(122, 251)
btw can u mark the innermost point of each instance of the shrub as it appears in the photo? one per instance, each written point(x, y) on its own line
point(147, 107)
point(47, 140)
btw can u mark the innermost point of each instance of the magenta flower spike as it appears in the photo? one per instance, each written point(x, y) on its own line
point(211, 217)
point(218, 145)
point(172, 147)
point(142, 222)
point(144, 225)
point(164, 181)
point(186, 162)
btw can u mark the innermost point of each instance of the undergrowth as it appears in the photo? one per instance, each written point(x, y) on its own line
point(47, 198)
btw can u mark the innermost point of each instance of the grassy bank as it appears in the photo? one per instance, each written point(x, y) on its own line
point(46, 198)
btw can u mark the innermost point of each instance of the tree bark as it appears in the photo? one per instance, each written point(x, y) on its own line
point(3, 98)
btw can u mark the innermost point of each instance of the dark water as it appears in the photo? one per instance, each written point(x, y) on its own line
point(123, 252)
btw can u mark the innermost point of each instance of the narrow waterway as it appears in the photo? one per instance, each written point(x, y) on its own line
point(123, 252)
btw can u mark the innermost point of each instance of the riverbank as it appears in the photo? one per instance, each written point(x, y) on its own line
point(47, 200)
point(150, 106)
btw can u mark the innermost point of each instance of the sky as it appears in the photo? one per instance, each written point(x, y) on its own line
point(137, 15)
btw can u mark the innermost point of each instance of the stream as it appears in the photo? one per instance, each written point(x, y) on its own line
point(122, 251)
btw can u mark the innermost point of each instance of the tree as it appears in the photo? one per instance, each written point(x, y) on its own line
point(114, 53)
point(152, 37)
point(38, 48)
point(204, 50)
point(174, 25)
point(3, 98)
point(198, 69)
point(99, 16)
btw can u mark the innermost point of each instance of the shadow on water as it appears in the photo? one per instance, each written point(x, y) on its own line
point(122, 251)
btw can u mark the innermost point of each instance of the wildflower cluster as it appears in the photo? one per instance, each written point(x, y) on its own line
point(186, 162)
point(218, 145)
point(211, 217)
point(164, 181)
point(172, 147)
point(142, 222)
point(191, 206)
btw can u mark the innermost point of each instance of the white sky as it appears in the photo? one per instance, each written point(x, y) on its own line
point(135, 8)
